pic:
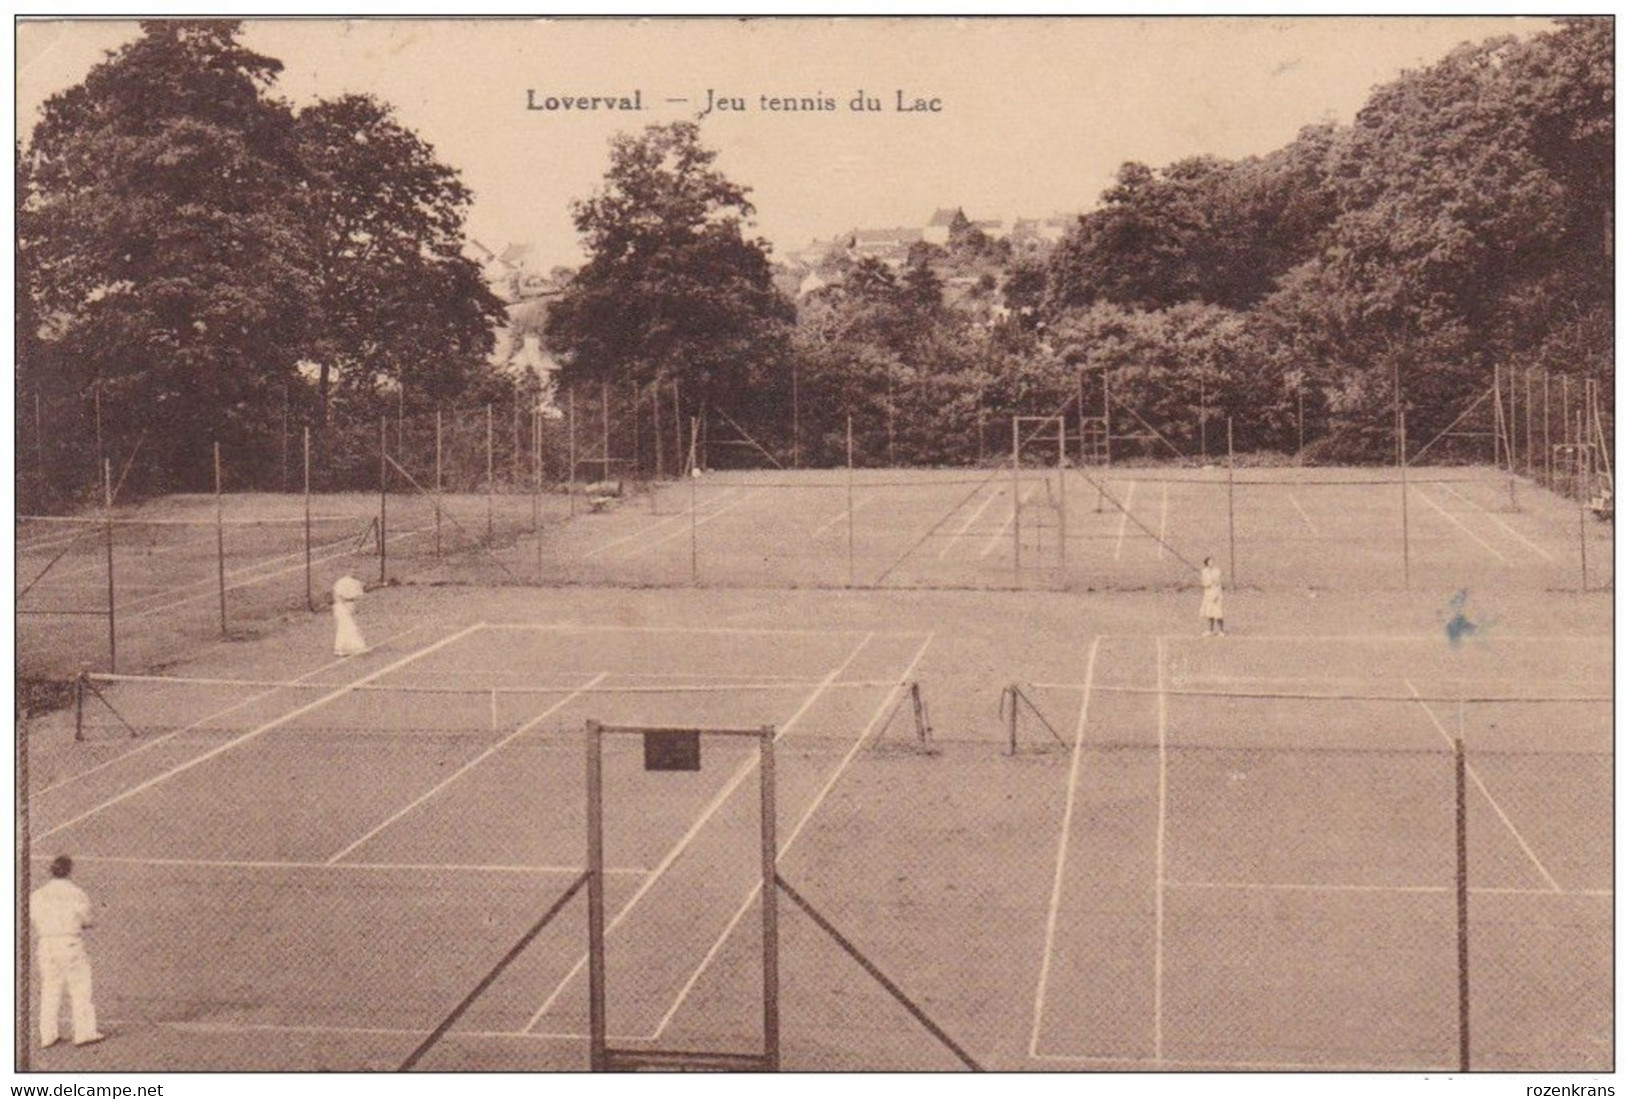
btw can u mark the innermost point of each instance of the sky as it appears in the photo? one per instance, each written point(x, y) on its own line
point(1035, 115)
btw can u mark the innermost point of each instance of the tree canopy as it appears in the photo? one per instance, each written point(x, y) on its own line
point(190, 240)
point(672, 288)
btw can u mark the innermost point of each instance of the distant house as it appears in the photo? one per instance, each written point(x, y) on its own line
point(940, 227)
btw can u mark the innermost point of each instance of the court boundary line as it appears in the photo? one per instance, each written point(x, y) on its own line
point(260, 730)
point(1040, 996)
point(301, 864)
point(660, 525)
point(996, 539)
point(1498, 521)
point(1314, 531)
point(1333, 887)
point(1478, 781)
point(1122, 521)
point(1429, 501)
point(696, 522)
point(966, 525)
point(489, 751)
point(147, 745)
point(671, 856)
point(784, 849)
point(747, 631)
point(829, 524)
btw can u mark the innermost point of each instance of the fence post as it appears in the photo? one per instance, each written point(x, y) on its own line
point(1015, 485)
point(1584, 462)
point(1404, 504)
point(490, 479)
point(850, 574)
point(310, 598)
point(220, 537)
point(1060, 477)
point(1464, 1029)
point(570, 484)
point(693, 522)
point(603, 400)
point(112, 602)
point(383, 499)
point(536, 485)
point(438, 444)
point(1230, 470)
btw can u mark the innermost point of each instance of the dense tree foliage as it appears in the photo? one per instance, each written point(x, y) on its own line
point(190, 241)
point(1458, 227)
point(672, 288)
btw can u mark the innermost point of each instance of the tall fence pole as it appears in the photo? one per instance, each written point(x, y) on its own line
point(438, 487)
point(536, 485)
point(383, 499)
point(1015, 486)
point(1500, 422)
point(1463, 1016)
point(693, 509)
point(490, 477)
point(310, 597)
point(570, 484)
point(220, 536)
point(1060, 478)
point(660, 443)
point(603, 400)
point(1404, 505)
point(677, 425)
point(1582, 460)
point(1230, 490)
point(850, 538)
point(1546, 423)
point(285, 402)
point(39, 435)
point(112, 602)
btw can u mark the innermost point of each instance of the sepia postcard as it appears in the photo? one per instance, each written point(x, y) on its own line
point(1074, 546)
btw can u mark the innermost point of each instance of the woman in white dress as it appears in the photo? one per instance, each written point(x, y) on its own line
point(1212, 598)
point(347, 640)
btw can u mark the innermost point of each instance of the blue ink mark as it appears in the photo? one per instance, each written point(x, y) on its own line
point(1458, 627)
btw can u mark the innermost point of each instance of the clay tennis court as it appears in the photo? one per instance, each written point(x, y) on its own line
point(1236, 854)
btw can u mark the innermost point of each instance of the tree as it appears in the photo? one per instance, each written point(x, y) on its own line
point(672, 287)
point(166, 231)
point(397, 300)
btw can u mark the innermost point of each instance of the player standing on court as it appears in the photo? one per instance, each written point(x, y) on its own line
point(347, 639)
point(60, 911)
point(1212, 598)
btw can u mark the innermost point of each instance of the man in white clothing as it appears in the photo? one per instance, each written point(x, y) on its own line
point(60, 911)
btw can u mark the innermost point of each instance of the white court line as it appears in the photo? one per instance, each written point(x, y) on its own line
point(1216, 1065)
point(473, 763)
point(839, 516)
point(1310, 523)
point(1324, 887)
point(967, 524)
point(289, 864)
point(1428, 500)
point(699, 522)
point(1162, 527)
point(1479, 782)
point(784, 849)
point(710, 810)
point(746, 631)
point(1040, 997)
point(148, 745)
point(659, 524)
point(1162, 836)
point(265, 728)
point(995, 539)
point(188, 1026)
point(1497, 520)
point(1122, 522)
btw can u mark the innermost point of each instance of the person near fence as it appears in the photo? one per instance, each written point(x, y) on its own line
point(60, 912)
point(347, 639)
point(1212, 598)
